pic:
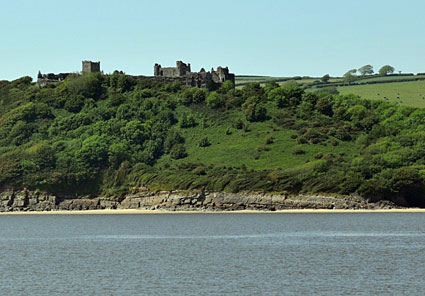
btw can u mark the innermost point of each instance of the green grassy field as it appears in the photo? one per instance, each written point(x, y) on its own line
point(389, 78)
point(247, 78)
point(242, 80)
point(405, 93)
point(238, 147)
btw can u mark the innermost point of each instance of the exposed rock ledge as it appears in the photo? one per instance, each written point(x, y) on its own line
point(27, 200)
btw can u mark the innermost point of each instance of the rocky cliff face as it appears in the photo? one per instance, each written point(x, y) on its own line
point(27, 200)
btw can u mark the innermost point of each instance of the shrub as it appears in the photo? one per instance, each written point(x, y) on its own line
point(253, 110)
point(269, 140)
point(199, 171)
point(324, 106)
point(215, 100)
point(298, 150)
point(178, 151)
point(204, 142)
point(238, 124)
point(187, 121)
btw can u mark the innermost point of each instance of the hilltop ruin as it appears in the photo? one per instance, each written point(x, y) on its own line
point(182, 73)
point(200, 79)
point(88, 66)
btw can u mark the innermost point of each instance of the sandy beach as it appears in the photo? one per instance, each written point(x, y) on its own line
point(156, 212)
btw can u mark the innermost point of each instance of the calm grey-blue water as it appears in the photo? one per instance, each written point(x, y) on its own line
point(213, 254)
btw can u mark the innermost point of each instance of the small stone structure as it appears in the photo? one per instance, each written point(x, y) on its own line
point(43, 79)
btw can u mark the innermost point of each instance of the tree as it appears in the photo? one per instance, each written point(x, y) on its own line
point(325, 78)
point(366, 70)
point(178, 151)
point(290, 95)
point(215, 100)
point(385, 70)
point(351, 72)
point(270, 85)
point(253, 110)
point(350, 77)
point(324, 106)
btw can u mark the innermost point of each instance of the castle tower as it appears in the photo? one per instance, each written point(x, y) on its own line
point(182, 68)
point(89, 66)
point(156, 70)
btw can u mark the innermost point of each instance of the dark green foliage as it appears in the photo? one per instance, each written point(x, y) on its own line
point(178, 151)
point(88, 85)
point(104, 134)
point(324, 106)
point(204, 142)
point(216, 100)
point(298, 150)
point(254, 110)
point(239, 124)
point(187, 121)
point(385, 70)
point(226, 87)
point(332, 90)
point(325, 78)
point(253, 90)
point(270, 85)
point(286, 96)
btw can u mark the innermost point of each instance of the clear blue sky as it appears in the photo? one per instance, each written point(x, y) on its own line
point(277, 38)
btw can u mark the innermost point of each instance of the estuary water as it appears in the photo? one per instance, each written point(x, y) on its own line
point(213, 254)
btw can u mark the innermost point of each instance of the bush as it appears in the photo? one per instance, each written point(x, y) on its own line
point(238, 124)
point(178, 151)
point(324, 106)
point(187, 121)
point(226, 87)
point(268, 140)
point(204, 142)
point(173, 138)
point(199, 171)
point(215, 100)
point(89, 85)
point(298, 150)
point(254, 111)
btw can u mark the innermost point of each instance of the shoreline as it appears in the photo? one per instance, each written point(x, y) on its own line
point(23, 201)
point(161, 212)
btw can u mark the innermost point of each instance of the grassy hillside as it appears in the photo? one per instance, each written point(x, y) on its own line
point(404, 93)
point(241, 80)
point(108, 134)
point(377, 78)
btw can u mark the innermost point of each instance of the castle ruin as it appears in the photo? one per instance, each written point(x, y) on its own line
point(88, 67)
point(182, 73)
point(200, 79)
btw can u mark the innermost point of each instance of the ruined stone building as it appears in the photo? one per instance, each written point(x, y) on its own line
point(43, 79)
point(203, 79)
point(182, 73)
point(89, 66)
